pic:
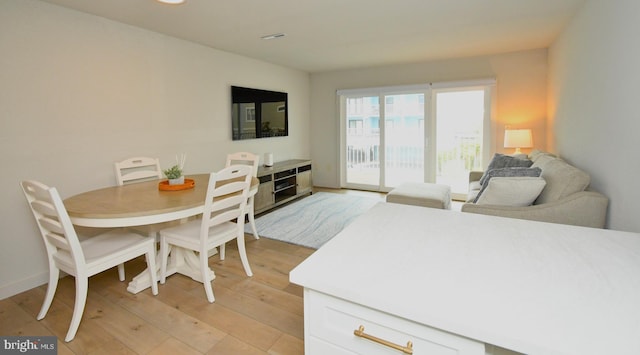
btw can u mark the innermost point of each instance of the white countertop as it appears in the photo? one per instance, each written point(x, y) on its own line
point(532, 287)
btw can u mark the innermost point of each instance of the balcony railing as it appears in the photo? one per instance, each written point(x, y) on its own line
point(363, 153)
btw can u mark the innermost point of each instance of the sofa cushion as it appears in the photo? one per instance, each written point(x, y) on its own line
point(511, 191)
point(505, 161)
point(535, 154)
point(508, 172)
point(541, 160)
point(562, 180)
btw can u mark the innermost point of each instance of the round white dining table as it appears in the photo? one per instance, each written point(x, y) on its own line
point(136, 204)
point(139, 204)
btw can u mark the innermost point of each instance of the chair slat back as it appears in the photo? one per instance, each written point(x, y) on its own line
point(54, 231)
point(137, 169)
point(227, 201)
point(244, 158)
point(52, 219)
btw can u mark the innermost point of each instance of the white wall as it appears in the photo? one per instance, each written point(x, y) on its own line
point(593, 102)
point(521, 98)
point(79, 92)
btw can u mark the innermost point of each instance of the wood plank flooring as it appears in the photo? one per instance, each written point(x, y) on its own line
point(262, 314)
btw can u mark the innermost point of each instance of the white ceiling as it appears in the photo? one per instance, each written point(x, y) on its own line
point(323, 35)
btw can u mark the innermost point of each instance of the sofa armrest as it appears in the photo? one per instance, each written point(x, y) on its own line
point(475, 176)
point(584, 208)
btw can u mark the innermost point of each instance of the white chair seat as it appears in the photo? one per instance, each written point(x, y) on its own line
point(105, 251)
point(187, 235)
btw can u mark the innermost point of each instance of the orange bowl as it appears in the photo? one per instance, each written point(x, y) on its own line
point(188, 184)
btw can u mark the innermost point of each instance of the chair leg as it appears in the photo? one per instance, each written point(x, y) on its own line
point(252, 220)
point(206, 280)
point(164, 254)
point(243, 254)
point(151, 266)
point(222, 251)
point(121, 275)
point(82, 283)
point(54, 274)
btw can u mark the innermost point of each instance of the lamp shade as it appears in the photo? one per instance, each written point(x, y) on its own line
point(518, 138)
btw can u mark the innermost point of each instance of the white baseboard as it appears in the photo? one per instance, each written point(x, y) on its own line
point(9, 290)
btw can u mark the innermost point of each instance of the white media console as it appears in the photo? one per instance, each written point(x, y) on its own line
point(282, 182)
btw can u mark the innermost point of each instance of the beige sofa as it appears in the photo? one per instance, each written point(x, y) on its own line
point(565, 198)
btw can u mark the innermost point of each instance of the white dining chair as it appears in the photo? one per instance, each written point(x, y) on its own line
point(222, 221)
point(252, 160)
point(137, 169)
point(80, 259)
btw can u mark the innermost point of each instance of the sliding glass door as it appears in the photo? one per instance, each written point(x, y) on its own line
point(383, 138)
point(413, 134)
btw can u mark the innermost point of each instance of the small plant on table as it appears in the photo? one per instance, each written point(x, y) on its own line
point(174, 174)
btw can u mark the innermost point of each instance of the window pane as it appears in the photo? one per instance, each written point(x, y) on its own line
point(459, 120)
point(363, 141)
point(404, 139)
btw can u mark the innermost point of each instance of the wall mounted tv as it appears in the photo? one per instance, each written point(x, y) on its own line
point(258, 113)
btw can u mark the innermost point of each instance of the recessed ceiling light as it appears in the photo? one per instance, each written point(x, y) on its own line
point(273, 36)
point(172, 2)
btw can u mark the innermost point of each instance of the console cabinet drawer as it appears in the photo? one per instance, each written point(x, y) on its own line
point(332, 320)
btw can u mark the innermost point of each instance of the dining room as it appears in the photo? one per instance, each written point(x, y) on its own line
point(105, 93)
point(108, 92)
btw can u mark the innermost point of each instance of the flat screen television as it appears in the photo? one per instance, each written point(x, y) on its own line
point(258, 113)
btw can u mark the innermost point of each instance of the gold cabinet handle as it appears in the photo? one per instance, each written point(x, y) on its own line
point(405, 349)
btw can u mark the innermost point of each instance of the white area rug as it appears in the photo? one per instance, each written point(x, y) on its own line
point(312, 220)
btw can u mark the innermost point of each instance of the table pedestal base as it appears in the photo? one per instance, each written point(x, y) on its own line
point(181, 261)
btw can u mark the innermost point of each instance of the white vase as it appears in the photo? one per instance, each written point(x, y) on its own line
point(268, 159)
point(177, 181)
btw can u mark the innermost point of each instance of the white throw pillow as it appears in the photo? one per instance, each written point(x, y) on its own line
point(512, 191)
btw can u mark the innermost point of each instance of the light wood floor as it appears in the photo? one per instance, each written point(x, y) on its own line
point(262, 314)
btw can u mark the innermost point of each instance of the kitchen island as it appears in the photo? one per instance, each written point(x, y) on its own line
point(421, 280)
